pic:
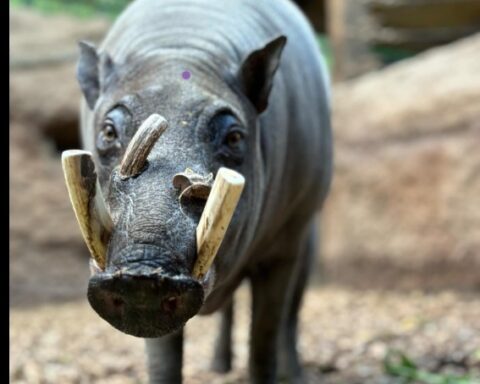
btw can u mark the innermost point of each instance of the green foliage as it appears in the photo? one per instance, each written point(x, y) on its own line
point(326, 49)
point(389, 55)
point(79, 8)
point(398, 365)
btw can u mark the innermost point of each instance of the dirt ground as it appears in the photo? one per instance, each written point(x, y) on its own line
point(345, 336)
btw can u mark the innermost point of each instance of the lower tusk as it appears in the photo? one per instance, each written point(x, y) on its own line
point(88, 203)
point(216, 217)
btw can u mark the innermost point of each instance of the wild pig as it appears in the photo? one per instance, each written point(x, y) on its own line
point(238, 84)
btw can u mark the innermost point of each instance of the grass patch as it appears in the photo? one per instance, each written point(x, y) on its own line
point(398, 365)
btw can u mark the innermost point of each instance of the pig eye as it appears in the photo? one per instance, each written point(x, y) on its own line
point(228, 136)
point(112, 132)
point(234, 139)
point(108, 131)
point(107, 138)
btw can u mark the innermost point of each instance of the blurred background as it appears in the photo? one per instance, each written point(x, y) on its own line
point(395, 295)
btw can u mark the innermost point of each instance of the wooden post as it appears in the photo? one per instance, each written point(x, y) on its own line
point(348, 26)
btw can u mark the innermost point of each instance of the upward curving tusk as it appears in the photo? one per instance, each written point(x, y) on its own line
point(216, 217)
point(88, 203)
point(141, 144)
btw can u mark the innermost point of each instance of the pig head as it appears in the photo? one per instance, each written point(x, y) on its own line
point(159, 130)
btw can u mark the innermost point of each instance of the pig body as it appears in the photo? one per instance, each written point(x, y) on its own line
point(208, 66)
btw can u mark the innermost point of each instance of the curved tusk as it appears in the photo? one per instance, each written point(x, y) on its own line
point(141, 144)
point(216, 217)
point(88, 203)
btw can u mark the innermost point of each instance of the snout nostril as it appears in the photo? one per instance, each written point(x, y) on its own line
point(117, 302)
point(151, 304)
point(170, 304)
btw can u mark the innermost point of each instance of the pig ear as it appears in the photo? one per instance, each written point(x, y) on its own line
point(258, 70)
point(93, 71)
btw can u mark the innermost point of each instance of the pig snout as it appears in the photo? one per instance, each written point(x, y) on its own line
point(142, 289)
point(144, 295)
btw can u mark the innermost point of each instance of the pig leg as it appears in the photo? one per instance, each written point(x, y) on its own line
point(271, 292)
point(290, 366)
point(165, 358)
point(222, 359)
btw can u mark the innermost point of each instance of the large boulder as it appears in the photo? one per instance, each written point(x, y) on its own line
point(404, 209)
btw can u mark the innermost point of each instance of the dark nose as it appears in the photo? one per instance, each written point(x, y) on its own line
point(145, 305)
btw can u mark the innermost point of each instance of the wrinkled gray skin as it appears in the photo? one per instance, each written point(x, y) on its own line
point(232, 50)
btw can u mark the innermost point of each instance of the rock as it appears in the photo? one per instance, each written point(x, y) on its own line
point(405, 202)
point(437, 91)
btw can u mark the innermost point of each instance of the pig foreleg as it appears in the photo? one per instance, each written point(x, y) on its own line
point(273, 286)
point(165, 358)
point(289, 363)
point(222, 358)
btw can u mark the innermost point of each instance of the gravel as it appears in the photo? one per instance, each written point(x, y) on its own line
point(345, 336)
